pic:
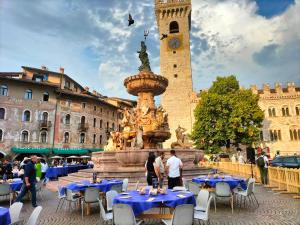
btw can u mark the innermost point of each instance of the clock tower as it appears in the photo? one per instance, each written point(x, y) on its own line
point(174, 24)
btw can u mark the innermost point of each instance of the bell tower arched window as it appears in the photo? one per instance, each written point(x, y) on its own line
point(174, 27)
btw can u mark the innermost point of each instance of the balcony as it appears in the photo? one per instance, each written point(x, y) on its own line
point(83, 127)
point(44, 124)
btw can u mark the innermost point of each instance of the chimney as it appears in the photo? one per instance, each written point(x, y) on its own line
point(254, 89)
point(278, 88)
point(44, 67)
point(62, 70)
point(86, 88)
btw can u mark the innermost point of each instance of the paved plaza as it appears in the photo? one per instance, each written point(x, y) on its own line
point(274, 209)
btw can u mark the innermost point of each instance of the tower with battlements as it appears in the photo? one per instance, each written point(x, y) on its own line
point(174, 24)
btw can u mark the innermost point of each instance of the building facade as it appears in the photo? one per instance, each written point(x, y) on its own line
point(174, 24)
point(281, 126)
point(43, 111)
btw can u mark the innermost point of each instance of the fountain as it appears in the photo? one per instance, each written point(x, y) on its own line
point(145, 128)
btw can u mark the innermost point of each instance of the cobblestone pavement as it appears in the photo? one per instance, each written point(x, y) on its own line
point(275, 208)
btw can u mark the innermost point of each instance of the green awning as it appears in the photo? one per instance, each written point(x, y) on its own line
point(70, 151)
point(31, 150)
point(96, 149)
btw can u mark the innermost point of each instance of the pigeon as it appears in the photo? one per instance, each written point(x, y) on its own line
point(130, 20)
point(163, 36)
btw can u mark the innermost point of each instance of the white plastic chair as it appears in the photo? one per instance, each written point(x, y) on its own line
point(179, 188)
point(247, 194)
point(183, 215)
point(194, 188)
point(110, 195)
point(106, 217)
point(223, 191)
point(39, 188)
point(5, 191)
point(61, 196)
point(34, 216)
point(202, 200)
point(203, 215)
point(123, 215)
point(91, 195)
point(185, 183)
point(71, 198)
point(14, 212)
point(125, 185)
point(117, 188)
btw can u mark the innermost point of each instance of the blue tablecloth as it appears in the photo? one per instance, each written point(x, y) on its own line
point(54, 172)
point(4, 216)
point(104, 186)
point(16, 185)
point(139, 202)
point(232, 181)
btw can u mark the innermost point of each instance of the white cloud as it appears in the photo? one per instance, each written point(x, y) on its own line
point(234, 33)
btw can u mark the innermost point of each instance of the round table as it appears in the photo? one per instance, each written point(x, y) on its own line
point(4, 216)
point(141, 203)
point(232, 181)
point(104, 186)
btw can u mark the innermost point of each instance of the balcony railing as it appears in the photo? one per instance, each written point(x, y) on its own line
point(83, 126)
point(45, 124)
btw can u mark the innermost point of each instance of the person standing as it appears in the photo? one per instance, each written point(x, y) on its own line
point(173, 167)
point(38, 168)
point(150, 169)
point(160, 168)
point(262, 163)
point(44, 168)
point(29, 181)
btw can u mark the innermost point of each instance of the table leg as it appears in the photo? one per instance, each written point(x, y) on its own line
point(88, 209)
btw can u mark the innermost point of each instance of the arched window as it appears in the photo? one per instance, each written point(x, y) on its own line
point(94, 123)
point(174, 27)
point(45, 117)
point(67, 119)
point(101, 122)
point(1, 135)
point(113, 126)
point(100, 139)
point(28, 94)
point(297, 110)
point(107, 125)
point(82, 120)
point(275, 135)
point(94, 139)
point(291, 135)
point(43, 137)
point(26, 116)
point(2, 113)
point(66, 137)
point(45, 96)
point(285, 111)
point(295, 135)
point(82, 138)
point(272, 112)
point(25, 136)
point(3, 90)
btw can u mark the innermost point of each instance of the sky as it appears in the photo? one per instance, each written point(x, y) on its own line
point(256, 40)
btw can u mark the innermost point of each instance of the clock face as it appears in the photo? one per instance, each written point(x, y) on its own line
point(174, 43)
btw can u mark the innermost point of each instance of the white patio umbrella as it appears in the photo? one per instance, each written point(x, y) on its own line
point(56, 157)
point(73, 157)
point(85, 156)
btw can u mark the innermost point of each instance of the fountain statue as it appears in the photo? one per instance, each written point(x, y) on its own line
point(146, 126)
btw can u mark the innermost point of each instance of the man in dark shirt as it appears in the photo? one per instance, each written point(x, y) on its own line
point(29, 181)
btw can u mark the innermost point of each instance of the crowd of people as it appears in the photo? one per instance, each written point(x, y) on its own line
point(157, 170)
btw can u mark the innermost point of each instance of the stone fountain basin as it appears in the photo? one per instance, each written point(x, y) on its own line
point(132, 157)
point(146, 82)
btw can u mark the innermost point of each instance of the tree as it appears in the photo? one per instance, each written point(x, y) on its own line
point(226, 114)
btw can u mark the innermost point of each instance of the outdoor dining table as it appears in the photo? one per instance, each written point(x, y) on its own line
point(81, 186)
point(212, 181)
point(4, 216)
point(141, 203)
point(16, 184)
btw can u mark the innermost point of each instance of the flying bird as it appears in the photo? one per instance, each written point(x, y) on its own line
point(130, 20)
point(163, 36)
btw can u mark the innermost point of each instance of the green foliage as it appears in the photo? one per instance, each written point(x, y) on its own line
point(226, 114)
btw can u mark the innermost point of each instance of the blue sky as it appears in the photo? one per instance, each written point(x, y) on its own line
point(258, 41)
